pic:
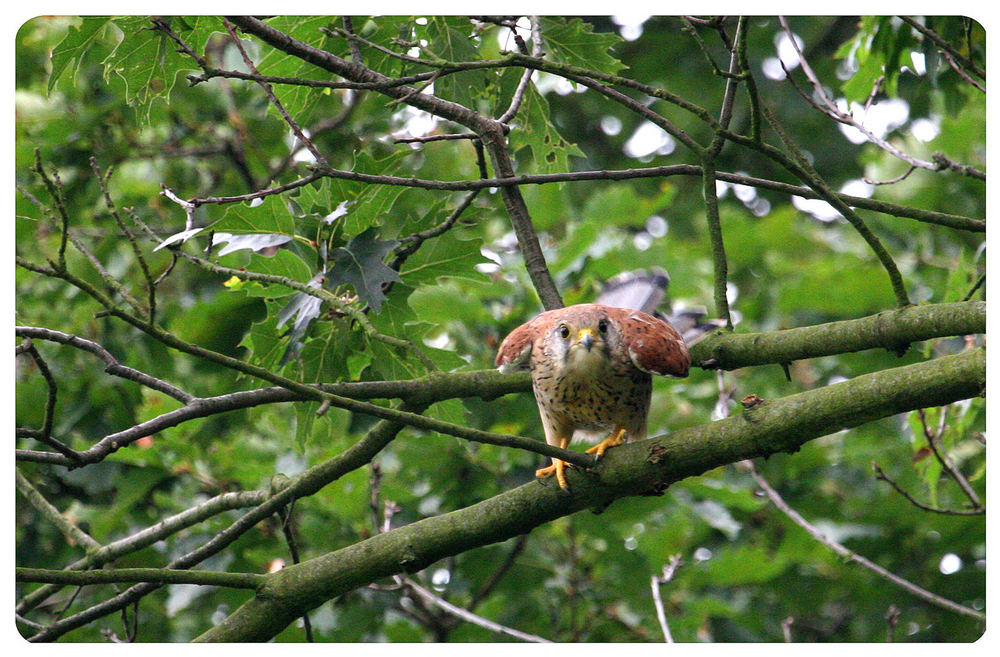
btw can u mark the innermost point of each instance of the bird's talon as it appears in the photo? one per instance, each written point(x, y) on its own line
point(556, 468)
point(616, 438)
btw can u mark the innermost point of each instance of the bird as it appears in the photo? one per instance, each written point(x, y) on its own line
point(592, 367)
point(647, 291)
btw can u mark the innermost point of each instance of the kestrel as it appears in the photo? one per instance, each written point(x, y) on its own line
point(591, 370)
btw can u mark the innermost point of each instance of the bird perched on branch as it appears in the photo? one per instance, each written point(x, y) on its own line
point(591, 370)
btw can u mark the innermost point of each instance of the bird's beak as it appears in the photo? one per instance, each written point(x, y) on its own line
point(585, 338)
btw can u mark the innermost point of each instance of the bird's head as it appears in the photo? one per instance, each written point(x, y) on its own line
point(583, 342)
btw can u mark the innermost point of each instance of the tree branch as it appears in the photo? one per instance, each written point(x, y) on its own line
point(927, 216)
point(113, 367)
point(643, 467)
point(491, 132)
point(157, 575)
point(891, 329)
point(73, 534)
point(850, 555)
point(146, 537)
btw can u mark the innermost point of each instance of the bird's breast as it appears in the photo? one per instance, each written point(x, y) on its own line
point(594, 398)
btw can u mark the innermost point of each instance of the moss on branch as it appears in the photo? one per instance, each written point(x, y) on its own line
point(644, 467)
point(891, 329)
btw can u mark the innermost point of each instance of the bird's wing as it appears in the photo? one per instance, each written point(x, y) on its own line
point(514, 353)
point(635, 290)
point(654, 346)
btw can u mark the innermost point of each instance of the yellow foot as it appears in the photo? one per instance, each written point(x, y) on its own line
point(616, 438)
point(557, 467)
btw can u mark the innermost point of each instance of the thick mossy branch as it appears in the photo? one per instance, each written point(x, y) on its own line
point(641, 468)
point(891, 329)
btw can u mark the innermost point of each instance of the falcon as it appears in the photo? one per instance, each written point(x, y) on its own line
point(591, 371)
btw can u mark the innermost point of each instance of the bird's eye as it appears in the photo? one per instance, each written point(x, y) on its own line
point(563, 331)
point(602, 326)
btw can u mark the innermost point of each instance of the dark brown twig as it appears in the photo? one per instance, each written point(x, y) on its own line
point(944, 45)
point(850, 555)
point(934, 442)
point(269, 92)
point(288, 531)
point(881, 475)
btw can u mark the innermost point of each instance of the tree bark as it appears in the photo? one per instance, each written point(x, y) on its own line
point(641, 468)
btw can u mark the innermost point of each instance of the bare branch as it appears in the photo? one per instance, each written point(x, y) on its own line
point(828, 107)
point(296, 130)
point(466, 615)
point(881, 475)
point(849, 555)
point(158, 575)
point(112, 365)
point(934, 441)
point(73, 534)
point(146, 537)
point(654, 583)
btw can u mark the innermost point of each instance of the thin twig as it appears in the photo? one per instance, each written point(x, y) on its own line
point(467, 615)
point(269, 92)
point(830, 108)
point(958, 69)
point(979, 284)
point(903, 176)
point(102, 181)
point(944, 45)
point(654, 583)
point(522, 85)
point(113, 284)
point(430, 138)
point(881, 475)
point(849, 555)
point(934, 441)
point(112, 365)
point(148, 536)
point(45, 433)
point(500, 571)
point(293, 549)
point(73, 534)
point(786, 629)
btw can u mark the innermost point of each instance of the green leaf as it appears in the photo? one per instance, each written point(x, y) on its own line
point(878, 50)
point(74, 46)
point(146, 61)
point(271, 216)
point(448, 40)
point(447, 255)
point(283, 263)
point(744, 564)
point(264, 342)
point(324, 356)
point(361, 265)
point(535, 132)
point(575, 42)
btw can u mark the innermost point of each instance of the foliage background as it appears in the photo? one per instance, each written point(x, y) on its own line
point(746, 567)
